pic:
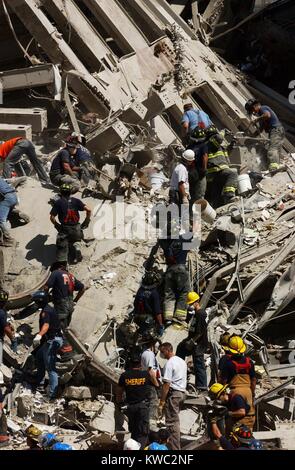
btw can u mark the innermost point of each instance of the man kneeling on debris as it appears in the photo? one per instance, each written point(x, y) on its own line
point(196, 343)
point(136, 383)
point(70, 232)
point(49, 339)
point(237, 370)
point(221, 179)
point(12, 151)
point(268, 122)
point(63, 168)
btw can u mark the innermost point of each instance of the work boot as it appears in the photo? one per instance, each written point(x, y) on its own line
point(161, 329)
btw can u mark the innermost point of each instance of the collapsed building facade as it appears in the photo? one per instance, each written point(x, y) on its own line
point(119, 72)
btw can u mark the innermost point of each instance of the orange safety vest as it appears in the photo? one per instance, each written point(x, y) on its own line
point(7, 146)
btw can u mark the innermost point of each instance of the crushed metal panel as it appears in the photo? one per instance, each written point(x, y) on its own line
point(261, 277)
point(282, 294)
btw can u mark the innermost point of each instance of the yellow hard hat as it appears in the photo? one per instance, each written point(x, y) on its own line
point(33, 432)
point(192, 297)
point(217, 389)
point(236, 345)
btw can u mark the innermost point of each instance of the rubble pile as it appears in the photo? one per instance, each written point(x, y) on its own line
point(119, 72)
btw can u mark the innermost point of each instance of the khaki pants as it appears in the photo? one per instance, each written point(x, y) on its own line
point(172, 408)
point(276, 137)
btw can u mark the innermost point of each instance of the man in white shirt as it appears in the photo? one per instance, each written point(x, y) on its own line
point(150, 363)
point(179, 185)
point(173, 392)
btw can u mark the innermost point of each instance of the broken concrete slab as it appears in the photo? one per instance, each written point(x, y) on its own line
point(9, 131)
point(80, 393)
point(34, 117)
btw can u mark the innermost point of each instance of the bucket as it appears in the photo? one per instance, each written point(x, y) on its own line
point(244, 183)
point(208, 214)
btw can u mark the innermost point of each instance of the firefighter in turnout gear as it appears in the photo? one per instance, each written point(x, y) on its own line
point(177, 283)
point(221, 179)
point(237, 370)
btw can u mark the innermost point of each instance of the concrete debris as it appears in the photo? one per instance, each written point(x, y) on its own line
point(134, 95)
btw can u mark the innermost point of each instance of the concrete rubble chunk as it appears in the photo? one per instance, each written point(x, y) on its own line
point(80, 393)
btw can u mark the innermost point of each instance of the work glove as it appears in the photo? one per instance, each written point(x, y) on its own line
point(57, 226)
point(85, 224)
point(190, 344)
point(37, 340)
point(13, 345)
point(161, 410)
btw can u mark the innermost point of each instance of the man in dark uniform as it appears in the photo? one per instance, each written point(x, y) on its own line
point(148, 302)
point(63, 168)
point(136, 383)
point(70, 233)
point(49, 339)
point(196, 343)
point(63, 284)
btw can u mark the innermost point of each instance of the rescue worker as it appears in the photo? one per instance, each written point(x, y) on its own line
point(221, 179)
point(5, 327)
point(149, 362)
point(70, 232)
point(63, 168)
point(241, 439)
point(223, 340)
point(237, 406)
point(136, 383)
point(83, 159)
point(33, 434)
point(238, 372)
point(196, 344)
point(269, 122)
point(147, 301)
point(49, 338)
point(8, 201)
point(173, 392)
point(62, 285)
point(179, 185)
point(177, 283)
point(11, 153)
point(193, 119)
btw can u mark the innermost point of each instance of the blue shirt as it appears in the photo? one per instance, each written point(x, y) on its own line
point(3, 322)
point(270, 123)
point(82, 155)
point(237, 402)
point(62, 157)
point(49, 315)
point(67, 210)
point(63, 284)
point(5, 187)
point(147, 301)
point(196, 118)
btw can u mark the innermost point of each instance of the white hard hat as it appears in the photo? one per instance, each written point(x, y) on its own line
point(189, 155)
point(131, 444)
